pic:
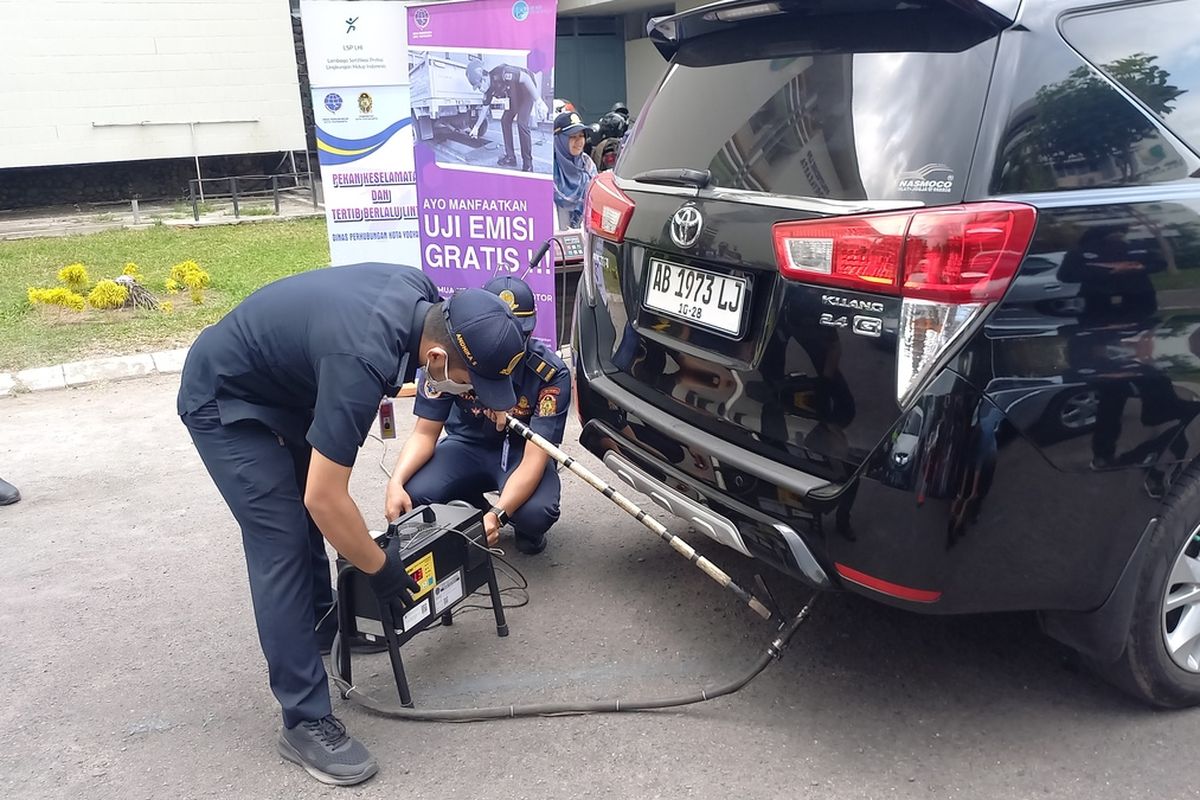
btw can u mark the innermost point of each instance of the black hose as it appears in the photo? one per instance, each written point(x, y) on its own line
point(773, 651)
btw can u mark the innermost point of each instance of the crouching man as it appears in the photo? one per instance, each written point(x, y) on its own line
point(474, 457)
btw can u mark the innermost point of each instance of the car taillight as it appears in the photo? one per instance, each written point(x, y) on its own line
point(608, 210)
point(948, 264)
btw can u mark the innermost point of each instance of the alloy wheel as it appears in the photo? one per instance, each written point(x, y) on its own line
point(1181, 606)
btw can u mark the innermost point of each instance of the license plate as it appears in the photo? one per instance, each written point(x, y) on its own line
point(707, 299)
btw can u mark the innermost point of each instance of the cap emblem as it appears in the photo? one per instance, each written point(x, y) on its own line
point(512, 365)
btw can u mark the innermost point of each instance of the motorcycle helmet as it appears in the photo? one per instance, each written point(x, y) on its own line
point(620, 108)
point(613, 125)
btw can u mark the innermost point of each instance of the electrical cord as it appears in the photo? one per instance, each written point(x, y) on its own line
point(772, 652)
point(383, 455)
point(495, 552)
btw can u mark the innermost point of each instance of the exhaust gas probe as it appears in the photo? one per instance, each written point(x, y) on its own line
point(444, 550)
point(625, 504)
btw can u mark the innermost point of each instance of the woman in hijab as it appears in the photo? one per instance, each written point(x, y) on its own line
point(573, 169)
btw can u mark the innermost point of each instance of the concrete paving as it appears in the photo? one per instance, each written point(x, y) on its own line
point(95, 370)
point(40, 379)
point(78, 220)
point(132, 670)
point(81, 373)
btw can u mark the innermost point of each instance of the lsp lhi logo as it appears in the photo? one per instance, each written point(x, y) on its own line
point(520, 10)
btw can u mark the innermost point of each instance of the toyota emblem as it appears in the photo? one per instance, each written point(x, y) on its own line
point(686, 226)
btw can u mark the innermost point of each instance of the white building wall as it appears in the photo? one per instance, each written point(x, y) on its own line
point(644, 69)
point(113, 80)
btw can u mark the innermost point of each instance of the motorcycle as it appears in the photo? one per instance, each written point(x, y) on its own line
point(607, 136)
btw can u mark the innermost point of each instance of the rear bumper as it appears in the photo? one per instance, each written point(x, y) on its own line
point(721, 518)
point(969, 517)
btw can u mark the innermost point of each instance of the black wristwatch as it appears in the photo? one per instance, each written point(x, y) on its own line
point(501, 514)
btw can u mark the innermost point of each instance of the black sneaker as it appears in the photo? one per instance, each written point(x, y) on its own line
point(327, 752)
point(508, 161)
point(530, 545)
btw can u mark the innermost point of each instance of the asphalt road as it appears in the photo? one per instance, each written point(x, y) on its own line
point(461, 149)
point(132, 669)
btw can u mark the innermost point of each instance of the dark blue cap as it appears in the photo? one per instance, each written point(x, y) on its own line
point(519, 297)
point(488, 338)
point(568, 122)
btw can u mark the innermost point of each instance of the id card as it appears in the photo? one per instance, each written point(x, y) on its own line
point(387, 419)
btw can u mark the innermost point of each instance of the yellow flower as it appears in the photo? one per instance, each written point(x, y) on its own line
point(57, 296)
point(167, 307)
point(189, 274)
point(74, 276)
point(172, 286)
point(131, 269)
point(107, 295)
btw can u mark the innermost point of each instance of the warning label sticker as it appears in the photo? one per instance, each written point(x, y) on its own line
point(422, 572)
point(448, 592)
point(415, 614)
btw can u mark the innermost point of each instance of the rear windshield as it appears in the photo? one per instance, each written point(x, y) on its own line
point(782, 111)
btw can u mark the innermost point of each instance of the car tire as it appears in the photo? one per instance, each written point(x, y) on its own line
point(1149, 668)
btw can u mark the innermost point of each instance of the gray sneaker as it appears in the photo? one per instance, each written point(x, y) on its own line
point(327, 752)
point(8, 493)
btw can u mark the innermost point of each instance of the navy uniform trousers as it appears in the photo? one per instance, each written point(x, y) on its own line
point(262, 480)
point(464, 470)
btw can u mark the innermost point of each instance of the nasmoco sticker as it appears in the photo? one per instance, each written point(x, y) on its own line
point(929, 178)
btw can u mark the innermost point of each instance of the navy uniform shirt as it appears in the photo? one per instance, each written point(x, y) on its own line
point(543, 389)
point(503, 82)
point(312, 355)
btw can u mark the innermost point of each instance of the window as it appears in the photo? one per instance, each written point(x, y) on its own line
point(1152, 50)
point(820, 110)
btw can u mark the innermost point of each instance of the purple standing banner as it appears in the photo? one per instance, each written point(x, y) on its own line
point(482, 85)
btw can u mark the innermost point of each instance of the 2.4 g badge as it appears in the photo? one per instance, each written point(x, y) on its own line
point(860, 324)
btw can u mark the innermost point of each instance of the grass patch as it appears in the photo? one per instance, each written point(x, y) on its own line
point(257, 211)
point(240, 259)
point(184, 208)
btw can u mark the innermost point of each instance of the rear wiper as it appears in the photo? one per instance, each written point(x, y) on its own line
point(676, 177)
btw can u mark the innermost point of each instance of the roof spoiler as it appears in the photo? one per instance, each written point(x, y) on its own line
point(668, 32)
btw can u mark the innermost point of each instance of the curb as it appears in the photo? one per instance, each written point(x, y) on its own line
point(105, 370)
point(97, 370)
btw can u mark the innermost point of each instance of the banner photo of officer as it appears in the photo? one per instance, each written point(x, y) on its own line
point(481, 86)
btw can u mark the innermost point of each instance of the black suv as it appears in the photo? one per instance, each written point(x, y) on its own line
point(903, 297)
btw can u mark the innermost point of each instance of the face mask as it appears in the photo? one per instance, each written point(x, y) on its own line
point(444, 385)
